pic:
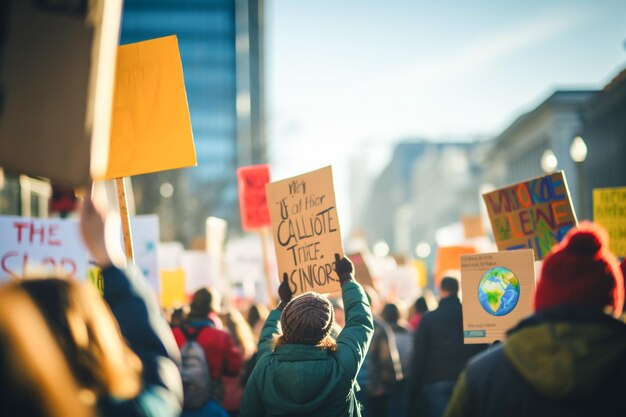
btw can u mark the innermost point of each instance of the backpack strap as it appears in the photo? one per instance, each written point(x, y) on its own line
point(197, 329)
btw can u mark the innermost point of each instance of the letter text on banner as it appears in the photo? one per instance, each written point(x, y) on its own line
point(609, 210)
point(253, 196)
point(306, 230)
point(533, 214)
point(498, 289)
point(151, 128)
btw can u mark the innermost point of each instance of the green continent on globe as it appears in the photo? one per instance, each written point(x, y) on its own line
point(494, 292)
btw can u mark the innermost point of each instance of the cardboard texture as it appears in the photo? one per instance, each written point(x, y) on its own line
point(151, 128)
point(41, 247)
point(306, 231)
point(609, 210)
point(448, 258)
point(472, 226)
point(173, 285)
point(57, 67)
point(253, 196)
point(361, 271)
point(497, 293)
point(533, 214)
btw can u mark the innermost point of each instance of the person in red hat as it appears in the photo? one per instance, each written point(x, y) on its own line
point(569, 358)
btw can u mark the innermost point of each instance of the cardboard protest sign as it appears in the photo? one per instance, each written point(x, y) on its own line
point(534, 214)
point(151, 128)
point(253, 196)
point(57, 67)
point(472, 226)
point(609, 210)
point(42, 247)
point(306, 230)
point(361, 271)
point(497, 293)
point(448, 258)
point(173, 288)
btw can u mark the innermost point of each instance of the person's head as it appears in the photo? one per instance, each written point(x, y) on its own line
point(391, 313)
point(34, 374)
point(581, 271)
point(177, 317)
point(449, 287)
point(420, 306)
point(201, 304)
point(307, 320)
point(88, 335)
point(240, 330)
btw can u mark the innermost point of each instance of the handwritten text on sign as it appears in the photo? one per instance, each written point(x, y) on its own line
point(37, 246)
point(253, 196)
point(535, 214)
point(609, 210)
point(306, 230)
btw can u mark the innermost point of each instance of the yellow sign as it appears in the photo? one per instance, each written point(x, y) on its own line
point(609, 210)
point(173, 288)
point(151, 128)
point(306, 230)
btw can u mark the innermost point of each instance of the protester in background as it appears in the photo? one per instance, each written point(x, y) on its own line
point(439, 354)
point(138, 379)
point(372, 394)
point(35, 379)
point(569, 358)
point(256, 318)
point(222, 356)
point(303, 371)
point(400, 342)
point(242, 335)
point(178, 317)
point(418, 309)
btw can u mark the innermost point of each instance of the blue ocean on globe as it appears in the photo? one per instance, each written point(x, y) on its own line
point(498, 291)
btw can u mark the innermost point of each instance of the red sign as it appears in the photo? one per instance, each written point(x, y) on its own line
point(253, 196)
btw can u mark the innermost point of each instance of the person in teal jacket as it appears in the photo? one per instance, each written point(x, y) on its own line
point(301, 370)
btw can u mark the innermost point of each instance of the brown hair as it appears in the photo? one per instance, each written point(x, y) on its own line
point(88, 335)
point(327, 343)
point(34, 375)
point(240, 331)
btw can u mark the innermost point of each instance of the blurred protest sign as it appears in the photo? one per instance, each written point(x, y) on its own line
point(400, 283)
point(173, 288)
point(306, 230)
point(145, 242)
point(361, 271)
point(472, 226)
point(151, 128)
point(253, 196)
point(57, 70)
point(533, 214)
point(448, 258)
point(42, 247)
point(497, 293)
point(422, 273)
point(609, 210)
point(201, 270)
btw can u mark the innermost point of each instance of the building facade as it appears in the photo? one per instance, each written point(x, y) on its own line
point(220, 44)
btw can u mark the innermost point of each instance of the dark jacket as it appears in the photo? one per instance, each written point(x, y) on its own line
point(438, 350)
point(388, 360)
point(149, 336)
point(303, 380)
point(562, 362)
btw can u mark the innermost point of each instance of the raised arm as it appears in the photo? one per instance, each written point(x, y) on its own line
point(272, 324)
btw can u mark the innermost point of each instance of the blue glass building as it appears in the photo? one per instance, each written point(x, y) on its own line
point(220, 44)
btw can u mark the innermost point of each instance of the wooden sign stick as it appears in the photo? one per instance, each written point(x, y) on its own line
point(263, 232)
point(125, 219)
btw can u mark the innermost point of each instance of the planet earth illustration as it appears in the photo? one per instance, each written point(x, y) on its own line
point(498, 291)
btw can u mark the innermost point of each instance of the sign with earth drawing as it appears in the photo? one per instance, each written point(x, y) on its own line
point(497, 293)
point(305, 228)
point(533, 214)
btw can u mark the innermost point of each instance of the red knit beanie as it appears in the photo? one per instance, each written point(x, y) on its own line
point(580, 270)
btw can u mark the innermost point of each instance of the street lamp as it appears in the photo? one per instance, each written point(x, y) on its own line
point(548, 161)
point(578, 153)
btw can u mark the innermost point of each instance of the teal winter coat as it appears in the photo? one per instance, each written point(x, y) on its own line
point(303, 380)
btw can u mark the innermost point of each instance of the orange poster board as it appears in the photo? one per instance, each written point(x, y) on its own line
point(533, 214)
point(305, 229)
point(151, 128)
point(449, 258)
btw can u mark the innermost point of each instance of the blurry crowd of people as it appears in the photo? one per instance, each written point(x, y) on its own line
point(66, 350)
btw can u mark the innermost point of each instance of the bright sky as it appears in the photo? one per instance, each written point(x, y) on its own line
point(353, 75)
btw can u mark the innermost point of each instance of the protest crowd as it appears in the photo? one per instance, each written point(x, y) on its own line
point(535, 327)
